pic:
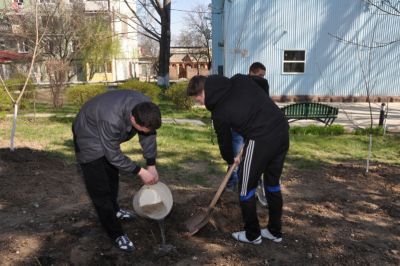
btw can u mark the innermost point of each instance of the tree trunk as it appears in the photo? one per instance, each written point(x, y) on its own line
point(163, 73)
point(14, 126)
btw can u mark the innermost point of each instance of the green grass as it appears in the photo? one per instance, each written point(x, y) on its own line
point(181, 148)
point(317, 130)
point(185, 152)
point(307, 151)
point(168, 110)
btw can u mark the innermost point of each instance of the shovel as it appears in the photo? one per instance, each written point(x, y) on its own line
point(199, 220)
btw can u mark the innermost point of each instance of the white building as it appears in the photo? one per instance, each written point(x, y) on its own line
point(126, 64)
point(121, 67)
point(309, 46)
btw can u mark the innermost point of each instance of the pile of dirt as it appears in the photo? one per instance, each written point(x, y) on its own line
point(334, 215)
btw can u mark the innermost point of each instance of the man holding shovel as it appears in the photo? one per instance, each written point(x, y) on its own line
point(239, 104)
point(102, 124)
point(257, 73)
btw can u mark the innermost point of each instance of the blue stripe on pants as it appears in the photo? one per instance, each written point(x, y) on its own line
point(248, 196)
point(274, 188)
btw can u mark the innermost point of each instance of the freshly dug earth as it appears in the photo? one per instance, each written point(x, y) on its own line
point(335, 215)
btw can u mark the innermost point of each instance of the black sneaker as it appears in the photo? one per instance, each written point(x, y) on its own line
point(125, 215)
point(124, 243)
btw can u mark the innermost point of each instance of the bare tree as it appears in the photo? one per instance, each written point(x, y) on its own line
point(385, 7)
point(16, 102)
point(154, 22)
point(192, 45)
point(389, 7)
point(74, 39)
point(57, 72)
point(149, 50)
point(199, 29)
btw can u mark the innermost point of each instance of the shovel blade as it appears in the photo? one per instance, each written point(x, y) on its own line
point(196, 222)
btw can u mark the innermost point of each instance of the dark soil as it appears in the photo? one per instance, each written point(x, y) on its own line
point(336, 215)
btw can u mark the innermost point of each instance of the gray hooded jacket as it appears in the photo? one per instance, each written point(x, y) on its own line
point(103, 123)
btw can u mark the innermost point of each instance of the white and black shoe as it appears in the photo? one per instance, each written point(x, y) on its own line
point(125, 215)
point(265, 233)
point(241, 236)
point(124, 243)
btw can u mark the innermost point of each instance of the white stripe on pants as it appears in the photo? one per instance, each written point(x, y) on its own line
point(246, 167)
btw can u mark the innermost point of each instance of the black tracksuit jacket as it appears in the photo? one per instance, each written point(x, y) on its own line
point(238, 103)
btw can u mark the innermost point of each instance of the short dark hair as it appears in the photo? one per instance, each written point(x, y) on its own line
point(147, 114)
point(196, 85)
point(255, 66)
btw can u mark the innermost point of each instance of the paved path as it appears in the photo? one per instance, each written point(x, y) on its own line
point(351, 116)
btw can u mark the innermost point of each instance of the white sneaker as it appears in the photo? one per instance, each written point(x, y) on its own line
point(241, 236)
point(125, 215)
point(266, 234)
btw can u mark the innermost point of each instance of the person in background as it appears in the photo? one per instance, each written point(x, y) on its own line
point(238, 104)
point(102, 124)
point(257, 69)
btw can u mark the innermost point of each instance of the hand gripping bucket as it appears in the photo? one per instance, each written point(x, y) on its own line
point(153, 201)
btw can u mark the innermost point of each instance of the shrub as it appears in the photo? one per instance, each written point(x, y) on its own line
point(148, 89)
point(15, 84)
point(317, 130)
point(5, 101)
point(79, 94)
point(177, 94)
point(376, 131)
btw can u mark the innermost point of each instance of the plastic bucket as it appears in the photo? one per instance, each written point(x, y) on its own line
point(153, 201)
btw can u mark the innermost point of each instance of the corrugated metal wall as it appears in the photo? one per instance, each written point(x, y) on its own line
point(260, 30)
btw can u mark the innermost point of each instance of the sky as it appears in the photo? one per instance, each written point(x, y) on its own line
point(177, 17)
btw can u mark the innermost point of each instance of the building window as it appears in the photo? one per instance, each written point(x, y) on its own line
point(49, 47)
point(294, 61)
point(108, 67)
point(2, 44)
point(22, 47)
point(103, 68)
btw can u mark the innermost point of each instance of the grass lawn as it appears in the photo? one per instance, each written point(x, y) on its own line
point(186, 151)
point(167, 108)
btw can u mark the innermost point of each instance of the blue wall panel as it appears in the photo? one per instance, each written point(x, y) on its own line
point(260, 30)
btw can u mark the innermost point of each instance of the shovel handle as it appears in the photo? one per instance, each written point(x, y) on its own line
point(224, 182)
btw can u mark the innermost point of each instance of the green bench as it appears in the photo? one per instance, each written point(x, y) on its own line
point(315, 111)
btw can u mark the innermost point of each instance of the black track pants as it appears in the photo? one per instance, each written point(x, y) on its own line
point(102, 180)
point(262, 156)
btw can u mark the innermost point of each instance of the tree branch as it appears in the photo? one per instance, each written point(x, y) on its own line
point(140, 22)
point(378, 44)
point(148, 11)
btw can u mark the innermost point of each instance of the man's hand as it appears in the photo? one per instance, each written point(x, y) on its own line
point(152, 169)
point(237, 160)
point(148, 177)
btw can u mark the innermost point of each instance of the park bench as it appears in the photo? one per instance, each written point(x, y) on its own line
point(315, 111)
